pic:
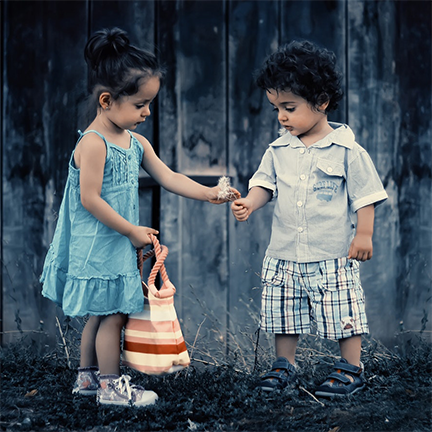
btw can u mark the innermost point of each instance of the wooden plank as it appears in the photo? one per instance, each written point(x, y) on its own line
point(400, 143)
point(168, 140)
point(373, 84)
point(253, 34)
point(43, 81)
point(396, 131)
point(192, 141)
point(413, 166)
point(137, 18)
point(201, 76)
point(322, 22)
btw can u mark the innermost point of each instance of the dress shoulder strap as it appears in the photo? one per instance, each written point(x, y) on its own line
point(136, 143)
point(82, 134)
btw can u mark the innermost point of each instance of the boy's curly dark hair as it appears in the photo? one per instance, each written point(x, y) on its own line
point(304, 69)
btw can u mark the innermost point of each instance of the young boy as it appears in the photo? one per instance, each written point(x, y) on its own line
point(325, 189)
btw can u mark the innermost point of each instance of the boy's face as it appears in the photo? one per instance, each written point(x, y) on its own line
point(296, 114)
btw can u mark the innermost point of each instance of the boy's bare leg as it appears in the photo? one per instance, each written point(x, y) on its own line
point(286, 346)
point(351, 349)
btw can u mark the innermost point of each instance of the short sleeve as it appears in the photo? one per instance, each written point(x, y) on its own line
point(265, 176)
point(364, 185)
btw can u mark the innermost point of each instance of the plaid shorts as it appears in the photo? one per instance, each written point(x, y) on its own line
point(327, 293)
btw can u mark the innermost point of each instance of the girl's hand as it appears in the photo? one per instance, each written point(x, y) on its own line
point(361, 247)
point(232, 195)
point(241, 209)
point(139, 236)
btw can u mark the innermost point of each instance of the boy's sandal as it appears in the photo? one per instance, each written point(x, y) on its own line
point(281, 373)
point(346, 380)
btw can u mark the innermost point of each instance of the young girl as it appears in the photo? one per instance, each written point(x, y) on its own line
point(90, 269)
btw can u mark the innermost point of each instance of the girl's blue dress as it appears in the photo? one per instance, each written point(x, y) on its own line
point(91, 269)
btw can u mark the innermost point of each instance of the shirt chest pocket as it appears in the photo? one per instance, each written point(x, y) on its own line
point(330, 168)
point(329, 177)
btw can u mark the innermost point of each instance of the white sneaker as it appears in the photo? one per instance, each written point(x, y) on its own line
point(87, 381)
point(115, 390)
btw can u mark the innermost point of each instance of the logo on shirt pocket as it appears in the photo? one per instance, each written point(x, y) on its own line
point(330, 175)
point(325, 190)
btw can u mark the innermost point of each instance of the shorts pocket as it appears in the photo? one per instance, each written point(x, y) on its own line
point(339, 274)
point(274, 271)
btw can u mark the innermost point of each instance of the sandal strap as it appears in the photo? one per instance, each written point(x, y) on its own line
point(339, 377)
point(281, 370)
point(284, 364)
point(347, 367)
point(277, 375)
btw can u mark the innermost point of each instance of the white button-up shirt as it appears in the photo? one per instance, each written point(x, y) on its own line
point(317, 191)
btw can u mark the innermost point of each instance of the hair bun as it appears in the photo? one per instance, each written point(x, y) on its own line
point(118, 39)
point(106, 43)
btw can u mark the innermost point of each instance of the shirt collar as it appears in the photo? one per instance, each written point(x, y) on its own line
point(342, 135)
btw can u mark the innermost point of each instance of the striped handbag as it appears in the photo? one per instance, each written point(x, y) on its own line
point(153, 340)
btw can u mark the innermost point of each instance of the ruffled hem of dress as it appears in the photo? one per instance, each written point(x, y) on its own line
point(93, 296)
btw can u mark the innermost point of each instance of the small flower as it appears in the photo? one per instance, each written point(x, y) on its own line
point(225, 192)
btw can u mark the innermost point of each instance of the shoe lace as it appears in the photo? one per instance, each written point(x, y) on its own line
point(124, 386)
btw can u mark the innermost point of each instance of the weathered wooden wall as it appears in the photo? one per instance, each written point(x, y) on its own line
point(210, 120)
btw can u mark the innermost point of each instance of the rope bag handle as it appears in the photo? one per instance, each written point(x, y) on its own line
point(160, 252)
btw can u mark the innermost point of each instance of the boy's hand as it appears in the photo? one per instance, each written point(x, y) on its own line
point(361, 247)
point(139, 236)
point(241, 209)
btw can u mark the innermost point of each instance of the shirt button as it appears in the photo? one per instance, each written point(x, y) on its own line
point(302, 150)
point(299, 203)
point(300, 229)
point(130, 157)
point(302, 177)
point(329, 169)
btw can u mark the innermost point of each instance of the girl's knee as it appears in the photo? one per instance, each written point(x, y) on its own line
point(92, 323)
point(94, 320)
point(117, 320)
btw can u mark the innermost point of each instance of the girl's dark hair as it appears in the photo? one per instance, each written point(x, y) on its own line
point(117, 66)
point(305, 70)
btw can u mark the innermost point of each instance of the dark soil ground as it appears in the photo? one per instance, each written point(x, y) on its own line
point(36, 396)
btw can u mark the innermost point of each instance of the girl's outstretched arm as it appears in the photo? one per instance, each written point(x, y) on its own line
point(175, 182)
point(90, 159)
point(256, 198)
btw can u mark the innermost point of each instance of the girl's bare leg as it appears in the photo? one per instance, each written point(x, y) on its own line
point(88, 342)
point(108, 343)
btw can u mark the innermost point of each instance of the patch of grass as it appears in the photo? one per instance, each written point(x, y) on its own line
point(36, 393)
